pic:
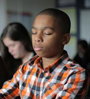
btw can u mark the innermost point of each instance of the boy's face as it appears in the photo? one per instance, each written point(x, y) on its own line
point(47, 38)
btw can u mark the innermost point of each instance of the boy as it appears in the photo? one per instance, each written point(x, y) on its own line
point(50, 74)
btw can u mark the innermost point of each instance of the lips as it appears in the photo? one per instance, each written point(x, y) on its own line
point(13, 54)
point(37, 48)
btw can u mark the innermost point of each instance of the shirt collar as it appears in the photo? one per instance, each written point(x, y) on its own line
point(36, 60)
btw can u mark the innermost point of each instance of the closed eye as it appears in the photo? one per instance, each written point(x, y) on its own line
point(34, 33)
point(48, 33)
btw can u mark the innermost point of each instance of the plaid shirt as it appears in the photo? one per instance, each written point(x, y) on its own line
point(63, 79)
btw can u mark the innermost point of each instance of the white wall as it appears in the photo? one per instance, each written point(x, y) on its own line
point(32, 6)
point(85, 25)
point(2, 15)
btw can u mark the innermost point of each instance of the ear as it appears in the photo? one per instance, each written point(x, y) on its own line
point(66, 39)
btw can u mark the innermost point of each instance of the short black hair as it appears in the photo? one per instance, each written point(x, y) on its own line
point(62, 18)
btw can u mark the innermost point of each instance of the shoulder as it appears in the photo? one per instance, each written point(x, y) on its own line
point(71, 65)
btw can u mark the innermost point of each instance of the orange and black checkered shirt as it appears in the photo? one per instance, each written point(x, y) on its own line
point(63, 79)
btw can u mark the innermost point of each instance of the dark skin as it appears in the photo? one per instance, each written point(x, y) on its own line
point(47, 38)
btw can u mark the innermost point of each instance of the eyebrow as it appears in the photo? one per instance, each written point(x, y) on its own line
point(44, 28)
point(48, 28)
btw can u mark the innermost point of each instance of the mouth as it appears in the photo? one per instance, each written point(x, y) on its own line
point(12, 54)
point(37, 48)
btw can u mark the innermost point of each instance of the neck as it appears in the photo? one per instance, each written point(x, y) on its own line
point(26, 57)
point(48, 61)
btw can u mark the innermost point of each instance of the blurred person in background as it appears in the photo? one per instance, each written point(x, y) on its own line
point(82, 57)
point(16, 47)
point(88, 67)
point(3, 75)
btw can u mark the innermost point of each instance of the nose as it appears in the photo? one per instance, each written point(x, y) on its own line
point(39, 37)
point(38, 40)
point(10, 50)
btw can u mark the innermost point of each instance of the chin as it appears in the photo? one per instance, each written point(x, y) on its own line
point(40, 54)
point(43, 55)
point(15, 57)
